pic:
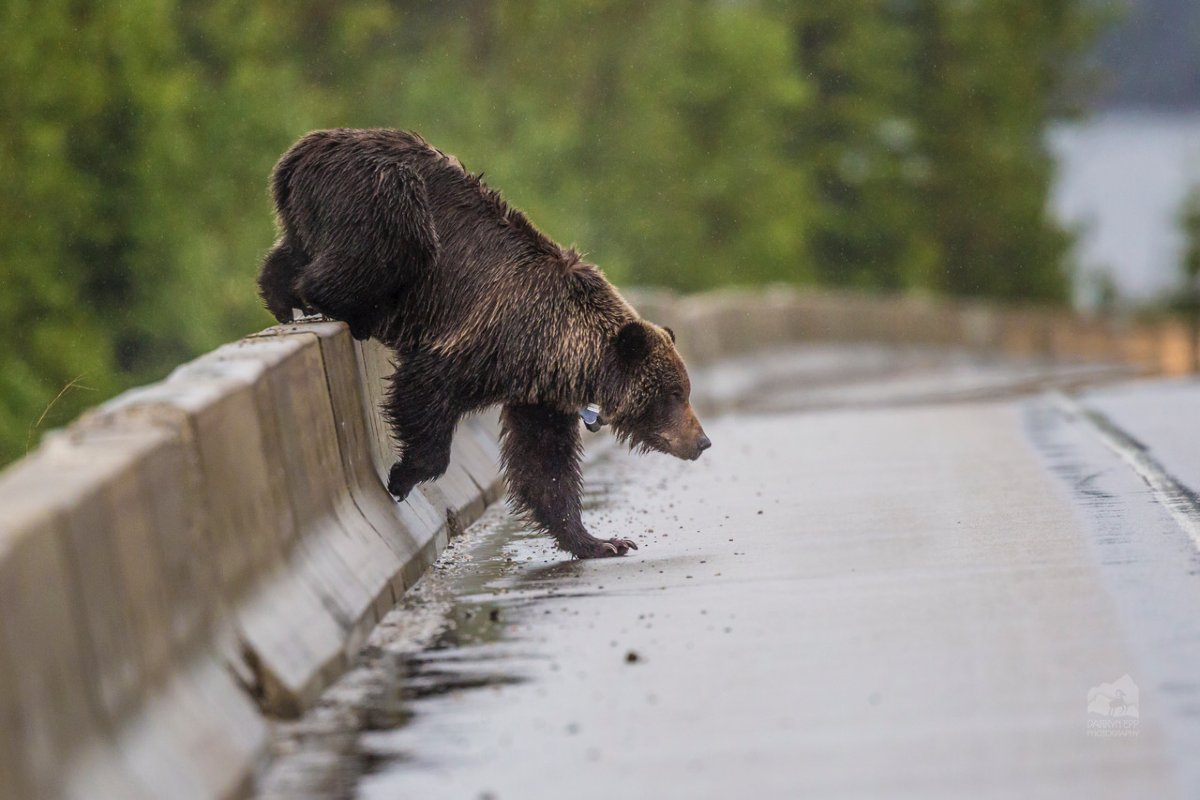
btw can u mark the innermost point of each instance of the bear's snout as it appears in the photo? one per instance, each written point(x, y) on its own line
point(699, 445)
point(686, 438)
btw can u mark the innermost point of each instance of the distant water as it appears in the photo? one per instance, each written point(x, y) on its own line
point(1123, 176)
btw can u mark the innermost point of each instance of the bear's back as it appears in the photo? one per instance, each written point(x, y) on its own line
point(493, 267)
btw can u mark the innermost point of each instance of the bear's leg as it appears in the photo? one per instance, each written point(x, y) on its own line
point(541, 461)
point(277, 279)
point(421, 408)
point(334, 284)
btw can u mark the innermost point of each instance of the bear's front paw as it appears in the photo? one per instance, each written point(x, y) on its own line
point(400, 484)
point(606, 548)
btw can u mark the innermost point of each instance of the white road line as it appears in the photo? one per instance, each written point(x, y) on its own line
point(1177, 498)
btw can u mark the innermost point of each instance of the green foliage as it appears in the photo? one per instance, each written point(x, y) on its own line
point(993, 74)
point(926, 140)
point(136, 142)
point(887, 144)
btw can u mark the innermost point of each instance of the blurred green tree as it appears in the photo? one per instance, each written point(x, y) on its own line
point(136, 139)
point(989, 78)
point(653, 135)
point(859, 138)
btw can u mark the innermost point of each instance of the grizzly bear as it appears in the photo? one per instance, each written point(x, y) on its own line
point(389, 234)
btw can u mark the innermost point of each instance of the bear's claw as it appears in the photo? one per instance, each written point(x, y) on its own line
point(606, 548)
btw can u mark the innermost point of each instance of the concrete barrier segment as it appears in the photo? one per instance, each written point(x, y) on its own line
point(351, 391)
point(213, 409)
point(697, 336)
point(1176, 348)
point(347, 392)
point(46, 711)
point(780, 317)
point(375, 363)
point(348, 563)
point(279, 635)
point(55, 648)
point(979, 327)
point(455, 492)
point(199, 736)
point(417, 513)
point(480, 461)
point(358, 496)
point(726, 322)
point(149, 512)
point(107, 538)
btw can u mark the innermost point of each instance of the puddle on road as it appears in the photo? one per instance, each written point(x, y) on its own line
point(482, 589)
point(457, 631)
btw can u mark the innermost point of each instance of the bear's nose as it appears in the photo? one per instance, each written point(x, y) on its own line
point(703, 443)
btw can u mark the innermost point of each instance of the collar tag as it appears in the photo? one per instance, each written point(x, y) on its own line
point(591, 417)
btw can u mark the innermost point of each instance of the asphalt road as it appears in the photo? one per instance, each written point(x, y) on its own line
point(896, 574)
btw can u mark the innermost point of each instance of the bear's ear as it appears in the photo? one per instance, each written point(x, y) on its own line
point(670, 333)
point(632, 341)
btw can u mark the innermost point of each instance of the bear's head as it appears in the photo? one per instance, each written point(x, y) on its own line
point(646, 393)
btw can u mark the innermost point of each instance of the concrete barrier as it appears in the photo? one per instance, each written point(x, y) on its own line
point(201, 551)
point(198, 555)
point(106, 633)
point(720, 324)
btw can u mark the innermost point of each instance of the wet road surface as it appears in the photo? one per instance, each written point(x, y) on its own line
point(894, 575)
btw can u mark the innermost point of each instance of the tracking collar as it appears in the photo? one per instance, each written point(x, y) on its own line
point(591, 417)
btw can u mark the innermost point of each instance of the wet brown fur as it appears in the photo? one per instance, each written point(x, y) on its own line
point(384, 231)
